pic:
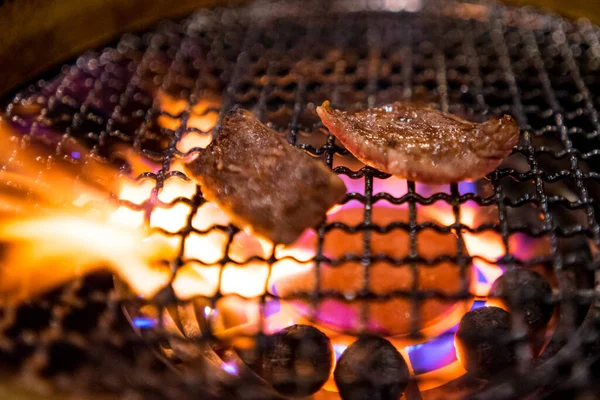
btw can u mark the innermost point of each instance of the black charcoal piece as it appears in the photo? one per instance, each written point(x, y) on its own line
point(297, 361)
point(528, 292)
point(482, 342)
point(371, 369)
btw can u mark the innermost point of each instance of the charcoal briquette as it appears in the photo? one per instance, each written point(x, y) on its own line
point(526, 291)
point(297, 360)
point(371, 369)
point(482, 342)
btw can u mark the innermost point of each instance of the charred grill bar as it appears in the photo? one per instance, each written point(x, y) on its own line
point(150, 91)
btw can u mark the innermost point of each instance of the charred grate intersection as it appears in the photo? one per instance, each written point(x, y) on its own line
point(149, 91)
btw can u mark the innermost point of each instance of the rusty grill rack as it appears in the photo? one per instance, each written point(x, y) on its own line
point(279, 59)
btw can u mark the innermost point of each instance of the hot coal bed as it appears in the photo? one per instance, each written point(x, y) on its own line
point(479, 289)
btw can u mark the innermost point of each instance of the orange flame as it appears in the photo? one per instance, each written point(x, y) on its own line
point(47, 251)
point(54, 234)
point(486, 245)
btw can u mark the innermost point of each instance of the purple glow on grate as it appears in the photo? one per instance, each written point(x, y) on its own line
point(75, 154)
point(466, 187)
point(272, 307)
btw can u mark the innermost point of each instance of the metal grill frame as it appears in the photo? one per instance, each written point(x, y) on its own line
point(239, 40)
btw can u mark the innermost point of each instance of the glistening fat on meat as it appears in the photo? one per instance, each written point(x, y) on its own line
point(421, 143)
point(262, 182)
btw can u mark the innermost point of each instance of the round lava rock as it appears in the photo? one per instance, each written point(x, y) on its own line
point(482, 342)
point(527, 291)
point(297, 360)
point(371, 369)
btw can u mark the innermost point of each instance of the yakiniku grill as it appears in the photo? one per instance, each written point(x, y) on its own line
point(120, 280)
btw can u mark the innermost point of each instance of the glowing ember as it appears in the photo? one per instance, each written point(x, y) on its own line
point(389, 317)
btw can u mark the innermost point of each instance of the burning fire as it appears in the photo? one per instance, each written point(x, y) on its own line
point(53, 239)
point(53, 235)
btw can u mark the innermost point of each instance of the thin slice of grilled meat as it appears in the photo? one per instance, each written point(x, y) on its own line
point(262, 182)
point(422, 144)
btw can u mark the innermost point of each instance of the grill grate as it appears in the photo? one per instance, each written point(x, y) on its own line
point(280, 59)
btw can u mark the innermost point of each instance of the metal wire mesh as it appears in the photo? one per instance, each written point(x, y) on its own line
point(280, 59)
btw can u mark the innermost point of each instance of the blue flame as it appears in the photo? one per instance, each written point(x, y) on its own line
point(144, 322)
point(432, 355)
point(230, 368)
point(436, 353)
point(480, 276)
point(338, 349)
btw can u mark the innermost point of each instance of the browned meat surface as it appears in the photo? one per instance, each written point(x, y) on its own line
point(262, 182)
point(420, 143)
